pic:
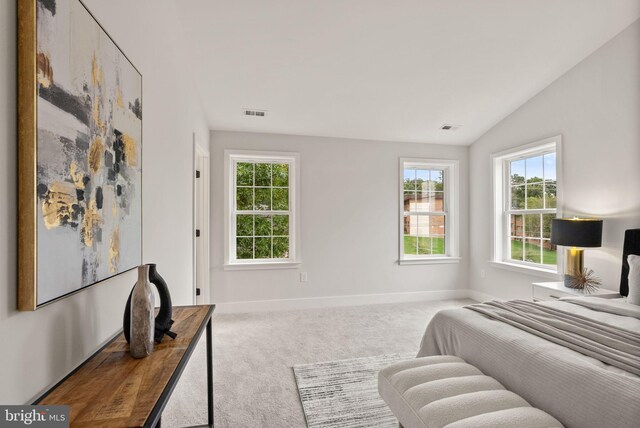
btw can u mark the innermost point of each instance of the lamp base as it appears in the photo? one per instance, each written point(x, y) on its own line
point(567, 280)
point(574, 264)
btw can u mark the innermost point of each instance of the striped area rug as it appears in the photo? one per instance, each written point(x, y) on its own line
point(344, 393)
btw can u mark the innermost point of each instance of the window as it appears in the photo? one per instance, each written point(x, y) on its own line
point(428, 221)
point(526, 197)
point(261, 210)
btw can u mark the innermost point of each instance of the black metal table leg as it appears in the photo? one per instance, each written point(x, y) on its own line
point(210, 372)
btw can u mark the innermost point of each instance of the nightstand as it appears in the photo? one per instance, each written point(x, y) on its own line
point(555, 290)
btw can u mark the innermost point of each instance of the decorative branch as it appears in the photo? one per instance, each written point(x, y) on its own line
point(585, 281)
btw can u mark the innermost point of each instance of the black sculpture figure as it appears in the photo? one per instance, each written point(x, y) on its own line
point(163, 319)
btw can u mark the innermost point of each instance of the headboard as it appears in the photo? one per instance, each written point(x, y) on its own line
point(631, 246)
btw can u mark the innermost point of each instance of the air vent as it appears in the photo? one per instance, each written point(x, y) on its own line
point(254, 112)
point(450, 127)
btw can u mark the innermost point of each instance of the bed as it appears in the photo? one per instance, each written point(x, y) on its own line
point(579, 390)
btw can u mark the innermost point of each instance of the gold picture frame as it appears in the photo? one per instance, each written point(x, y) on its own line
point(105, 180)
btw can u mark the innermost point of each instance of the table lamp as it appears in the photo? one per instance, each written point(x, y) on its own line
point(575, 232)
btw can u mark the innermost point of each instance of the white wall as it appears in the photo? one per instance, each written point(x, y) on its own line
point(349, 220)
point(38, 348)
point(596, 108)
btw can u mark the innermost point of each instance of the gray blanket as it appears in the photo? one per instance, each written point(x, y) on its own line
point(609, 344)
point(579, 390)
point(610, 306)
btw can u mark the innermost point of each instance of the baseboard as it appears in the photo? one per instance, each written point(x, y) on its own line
point(335, 301)
point(479, 296)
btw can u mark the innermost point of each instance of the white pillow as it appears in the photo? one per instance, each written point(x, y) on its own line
point(634, 279)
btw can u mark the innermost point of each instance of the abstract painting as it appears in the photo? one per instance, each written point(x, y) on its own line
point(85, 195)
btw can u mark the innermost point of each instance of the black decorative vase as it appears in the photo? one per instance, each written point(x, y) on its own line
point(163, 320)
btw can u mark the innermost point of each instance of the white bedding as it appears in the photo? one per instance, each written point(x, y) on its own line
point(601, 307)
point(578, 390)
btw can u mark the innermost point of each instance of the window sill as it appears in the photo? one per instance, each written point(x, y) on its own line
point(528, 270)
point(429, 261)
point(261, 265)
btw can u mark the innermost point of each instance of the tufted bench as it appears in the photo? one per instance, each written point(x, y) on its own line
point(445, 391)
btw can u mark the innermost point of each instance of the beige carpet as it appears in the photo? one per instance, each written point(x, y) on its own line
point(254, 355)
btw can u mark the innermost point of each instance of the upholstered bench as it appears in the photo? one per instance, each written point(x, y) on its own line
point(445, 391)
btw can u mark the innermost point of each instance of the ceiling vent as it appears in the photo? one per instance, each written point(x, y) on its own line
point(450, 127)
point(253, 112)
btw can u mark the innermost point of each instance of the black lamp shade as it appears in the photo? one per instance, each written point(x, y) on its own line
point(576, 232)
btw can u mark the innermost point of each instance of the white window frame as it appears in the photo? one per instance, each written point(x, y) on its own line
point(501, 209)
point(451, 204)
point(232, 157)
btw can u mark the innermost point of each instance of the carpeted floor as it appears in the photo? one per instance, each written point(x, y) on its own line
point(254, 355)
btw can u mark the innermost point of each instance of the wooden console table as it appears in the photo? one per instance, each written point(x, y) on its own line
point(113, 389)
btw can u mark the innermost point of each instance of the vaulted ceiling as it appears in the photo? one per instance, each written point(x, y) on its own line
point(386, 70)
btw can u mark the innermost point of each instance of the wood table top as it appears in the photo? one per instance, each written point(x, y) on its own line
point(113, 389)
